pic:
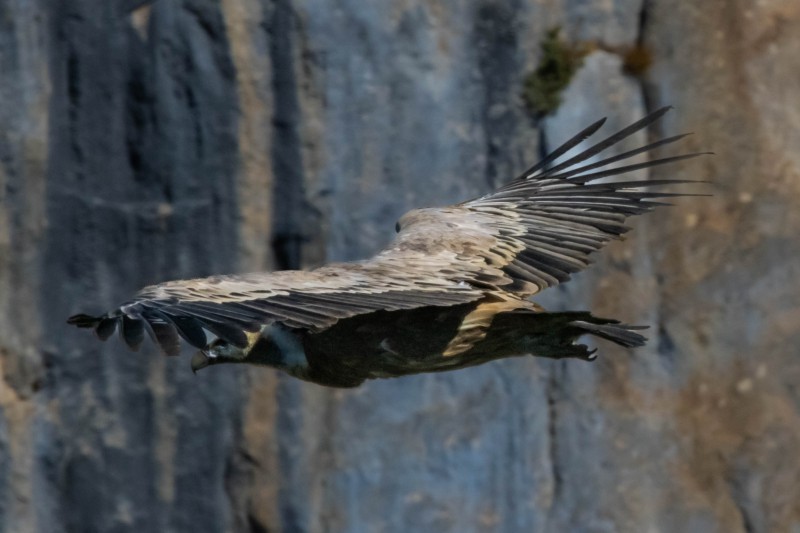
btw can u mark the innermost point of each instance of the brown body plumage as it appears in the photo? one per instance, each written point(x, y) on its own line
point(451, 290)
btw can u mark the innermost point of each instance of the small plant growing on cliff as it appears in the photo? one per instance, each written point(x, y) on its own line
point(543, 87)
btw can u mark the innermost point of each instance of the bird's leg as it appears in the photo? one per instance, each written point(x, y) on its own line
point(573, 351)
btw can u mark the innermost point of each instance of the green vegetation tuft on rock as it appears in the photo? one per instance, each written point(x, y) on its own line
point(560, 61)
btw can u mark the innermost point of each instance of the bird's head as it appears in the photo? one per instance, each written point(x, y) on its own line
point(271, 346)
point(219, 351)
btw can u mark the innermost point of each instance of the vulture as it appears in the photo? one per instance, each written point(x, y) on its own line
point(452, 290)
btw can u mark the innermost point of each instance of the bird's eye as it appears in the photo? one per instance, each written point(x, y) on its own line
point(397, 227)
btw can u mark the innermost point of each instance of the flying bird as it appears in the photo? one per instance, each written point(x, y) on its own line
point(452, 290)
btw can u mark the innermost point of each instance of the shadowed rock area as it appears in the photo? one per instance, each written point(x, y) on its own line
point(142, 141)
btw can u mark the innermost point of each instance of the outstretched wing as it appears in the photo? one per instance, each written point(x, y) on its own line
point(538, 229)
point(229, 306)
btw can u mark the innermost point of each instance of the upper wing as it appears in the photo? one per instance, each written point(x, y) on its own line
point(538, 229)
point(229, 306)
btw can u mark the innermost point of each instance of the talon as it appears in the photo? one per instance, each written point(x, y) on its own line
point(591, 355)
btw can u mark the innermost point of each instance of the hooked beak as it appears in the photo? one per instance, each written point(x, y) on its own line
point(200, 360)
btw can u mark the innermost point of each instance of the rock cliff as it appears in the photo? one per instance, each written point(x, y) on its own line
point(147, 140)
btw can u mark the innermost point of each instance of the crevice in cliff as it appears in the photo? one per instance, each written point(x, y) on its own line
point(254, 526)
point(289, 208)
point(289, 193)
point(73, 102)
point(747, 524)
point(737, 486)
point(552, 392)
point(638, 59)
point(495, 32)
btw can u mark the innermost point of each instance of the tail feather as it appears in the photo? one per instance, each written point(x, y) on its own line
point(555, 334)
point(622, 334)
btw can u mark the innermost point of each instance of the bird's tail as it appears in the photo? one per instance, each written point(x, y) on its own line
point(612, 330)
point(568, 326)
point(555, 335)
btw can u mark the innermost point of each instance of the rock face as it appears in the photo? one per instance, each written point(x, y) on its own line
point(143, 141)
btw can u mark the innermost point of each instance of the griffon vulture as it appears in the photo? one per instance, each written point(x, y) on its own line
point(452, 290)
